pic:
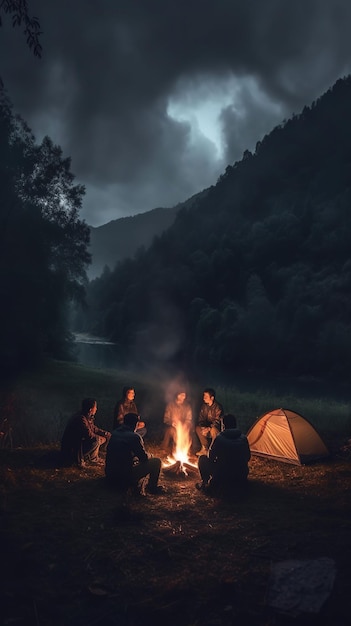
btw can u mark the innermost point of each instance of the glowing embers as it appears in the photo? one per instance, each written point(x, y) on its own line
point(178, 464)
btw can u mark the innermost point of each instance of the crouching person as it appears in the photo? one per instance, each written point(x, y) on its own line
point(224, 470)
point(127, 461)
point(82, 438)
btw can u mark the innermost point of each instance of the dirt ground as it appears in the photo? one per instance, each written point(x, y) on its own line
point(76, 553)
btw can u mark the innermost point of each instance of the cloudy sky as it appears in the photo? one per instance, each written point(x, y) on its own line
point(152, 99)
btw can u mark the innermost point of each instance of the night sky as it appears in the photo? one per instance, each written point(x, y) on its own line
point(152, 99)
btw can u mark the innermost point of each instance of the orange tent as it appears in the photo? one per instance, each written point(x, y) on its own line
point(285, 435)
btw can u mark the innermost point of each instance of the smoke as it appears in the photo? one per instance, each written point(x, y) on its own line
point(161, 339)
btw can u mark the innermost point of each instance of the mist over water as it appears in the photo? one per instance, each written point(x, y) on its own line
point(98, 353)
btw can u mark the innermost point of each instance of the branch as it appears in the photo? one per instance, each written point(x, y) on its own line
point(19, 11)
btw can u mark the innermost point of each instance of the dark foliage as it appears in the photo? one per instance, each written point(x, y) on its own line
point(18, 9)
point(257, 274)
point(43, 251)
point(119, 239)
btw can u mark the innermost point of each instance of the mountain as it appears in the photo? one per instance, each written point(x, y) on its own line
point(256, 275)
point(120, 239)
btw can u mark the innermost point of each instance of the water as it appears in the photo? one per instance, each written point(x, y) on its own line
point(96, 352)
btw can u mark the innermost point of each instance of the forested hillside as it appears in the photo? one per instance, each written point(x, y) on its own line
point(121, 239)
point(256, 275)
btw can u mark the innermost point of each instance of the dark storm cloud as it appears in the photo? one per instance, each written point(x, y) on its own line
point(110, 69)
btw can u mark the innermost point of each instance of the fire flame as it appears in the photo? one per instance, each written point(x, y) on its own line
point(182, 448)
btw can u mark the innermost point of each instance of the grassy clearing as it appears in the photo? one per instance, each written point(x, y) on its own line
point(77, 554)
point(38, 405)
point(330, 416)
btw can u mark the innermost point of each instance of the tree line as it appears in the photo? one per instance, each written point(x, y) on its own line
point(257, 274)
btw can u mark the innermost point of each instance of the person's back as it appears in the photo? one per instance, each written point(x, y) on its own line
point(127, 461)
point(123, 446)
point(231, 453)
point(225, 469)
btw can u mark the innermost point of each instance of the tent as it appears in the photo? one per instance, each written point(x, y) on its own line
point(286, 436)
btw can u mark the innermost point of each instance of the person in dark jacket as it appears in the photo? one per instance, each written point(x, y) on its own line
point(210, 420)
point(225, 469)
point(82, 439)
point(127, 461)
point(127, 405)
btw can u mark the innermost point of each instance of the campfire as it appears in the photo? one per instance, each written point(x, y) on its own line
point(178, 463)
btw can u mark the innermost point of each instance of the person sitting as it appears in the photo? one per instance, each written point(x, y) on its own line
point(82, 439)
point(127, 461)
point(127, 405)
point(177, 415)
point(209, 421)
point(225, 470)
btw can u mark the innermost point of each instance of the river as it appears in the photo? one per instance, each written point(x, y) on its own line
point(96, 352)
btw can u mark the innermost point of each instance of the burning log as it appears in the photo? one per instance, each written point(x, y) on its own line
point(179, 469)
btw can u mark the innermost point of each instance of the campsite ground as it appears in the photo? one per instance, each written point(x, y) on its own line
point(78, 554)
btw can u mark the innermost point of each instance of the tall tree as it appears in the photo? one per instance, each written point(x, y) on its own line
point(43, 253)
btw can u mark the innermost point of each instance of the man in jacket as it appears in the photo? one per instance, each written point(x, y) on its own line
point(82, 438)
point(127, 461)
point(225, 470)
point(210, 420)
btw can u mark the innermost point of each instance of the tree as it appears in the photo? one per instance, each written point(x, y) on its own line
point(49, 185)
point(20, 17)
point(44, 253)
point(259, 267)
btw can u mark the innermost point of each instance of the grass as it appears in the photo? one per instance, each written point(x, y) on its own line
point(38, 404)
point(329, 415)
point(77, 554)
